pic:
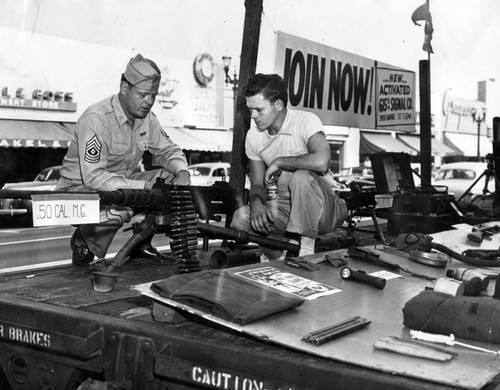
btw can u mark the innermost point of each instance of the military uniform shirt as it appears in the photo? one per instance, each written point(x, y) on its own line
point(106, 148)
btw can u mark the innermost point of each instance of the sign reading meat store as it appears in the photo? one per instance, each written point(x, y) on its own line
point(47, 100)
point(345, 89)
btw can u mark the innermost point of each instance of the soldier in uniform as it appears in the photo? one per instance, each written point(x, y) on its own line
point(106, 150)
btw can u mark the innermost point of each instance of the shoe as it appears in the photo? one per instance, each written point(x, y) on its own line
point(81, 256)
point(149, 253)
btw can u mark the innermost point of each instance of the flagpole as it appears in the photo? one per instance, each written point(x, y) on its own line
point(422, 13)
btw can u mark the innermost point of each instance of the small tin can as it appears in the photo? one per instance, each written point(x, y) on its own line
point(272, 191)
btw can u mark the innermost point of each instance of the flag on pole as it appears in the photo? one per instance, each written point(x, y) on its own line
point(423, 13)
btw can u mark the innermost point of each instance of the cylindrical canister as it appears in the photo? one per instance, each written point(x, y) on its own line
point(272, 191)
point(449, 286)
point(226, 259)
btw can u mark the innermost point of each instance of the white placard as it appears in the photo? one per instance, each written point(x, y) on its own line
point(65, 209)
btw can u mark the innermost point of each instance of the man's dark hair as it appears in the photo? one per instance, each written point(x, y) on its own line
point(271, 86)
point(124, 79)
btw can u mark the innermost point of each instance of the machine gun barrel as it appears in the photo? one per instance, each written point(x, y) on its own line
point(157, 199)
point(122, 197)
point(153, 199)
point(242, 237)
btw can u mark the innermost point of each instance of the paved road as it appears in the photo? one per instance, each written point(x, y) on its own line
point(33, 248)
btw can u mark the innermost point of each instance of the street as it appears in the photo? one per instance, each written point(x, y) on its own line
point(34, 248)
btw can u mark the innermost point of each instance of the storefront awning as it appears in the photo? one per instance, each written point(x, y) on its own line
point(221, 139)
point(35, 134)
point(202, 140)
point(371, 143)
point(437, 147)
point(467, 143)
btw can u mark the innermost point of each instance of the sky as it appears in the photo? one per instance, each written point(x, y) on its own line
point(465, 40)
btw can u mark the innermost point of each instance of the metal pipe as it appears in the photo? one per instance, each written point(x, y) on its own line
point(244, 237)
point(225, 259)
point(496, 150)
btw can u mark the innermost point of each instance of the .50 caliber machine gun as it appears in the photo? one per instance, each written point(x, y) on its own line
point(176, 211)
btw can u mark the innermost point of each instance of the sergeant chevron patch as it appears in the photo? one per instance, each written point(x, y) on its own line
point(93, 150)
point(164, 133)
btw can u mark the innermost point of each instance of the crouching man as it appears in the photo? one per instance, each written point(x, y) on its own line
point(287, 148)
point(107, 147)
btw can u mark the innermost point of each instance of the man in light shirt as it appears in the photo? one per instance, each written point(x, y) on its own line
point(288, 148)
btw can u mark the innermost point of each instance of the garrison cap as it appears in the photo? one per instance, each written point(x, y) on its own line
point(143, 73)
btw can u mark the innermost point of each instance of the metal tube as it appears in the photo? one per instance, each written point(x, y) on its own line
point(226, 259)
point(244, 237)
point(496, 150)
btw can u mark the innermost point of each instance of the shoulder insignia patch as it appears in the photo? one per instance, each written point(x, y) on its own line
point(93, 150)
point(164, 133)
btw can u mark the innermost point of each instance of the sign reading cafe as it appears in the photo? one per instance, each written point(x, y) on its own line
point(345, 89)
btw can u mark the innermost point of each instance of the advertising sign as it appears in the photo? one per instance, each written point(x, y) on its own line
point(395, 96)
point(342, 88)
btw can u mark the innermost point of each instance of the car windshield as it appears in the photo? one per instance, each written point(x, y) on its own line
point(199, 171)
point(356, 171)
point(48, 174)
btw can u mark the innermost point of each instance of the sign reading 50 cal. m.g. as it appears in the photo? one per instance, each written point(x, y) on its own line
point(65, 209)
point(345, 89)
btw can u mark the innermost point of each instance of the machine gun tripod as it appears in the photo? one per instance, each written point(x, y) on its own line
point(488, 173)
point(176, 211)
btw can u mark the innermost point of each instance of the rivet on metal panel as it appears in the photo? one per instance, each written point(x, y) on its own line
point(146, 347)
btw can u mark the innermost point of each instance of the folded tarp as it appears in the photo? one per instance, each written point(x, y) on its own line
point(226, 296)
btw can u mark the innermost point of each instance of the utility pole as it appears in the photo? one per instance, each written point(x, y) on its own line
point(425, 121)
point(248, 64)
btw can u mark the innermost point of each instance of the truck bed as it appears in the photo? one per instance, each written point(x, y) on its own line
point(57, 332)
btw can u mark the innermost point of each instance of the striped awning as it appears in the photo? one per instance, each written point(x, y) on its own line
point(35, 134)
point(438, 147)
point(371, 143)
point(202, 140)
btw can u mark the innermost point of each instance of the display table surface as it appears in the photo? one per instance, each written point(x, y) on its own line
point(468, 369)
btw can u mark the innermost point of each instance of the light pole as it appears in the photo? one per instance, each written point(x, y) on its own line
point(478, 118)
point(226, 61)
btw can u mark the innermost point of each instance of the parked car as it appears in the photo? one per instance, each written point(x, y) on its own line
point(358, 177)
point(206, 174)
point(18, 211)
point(458, 177)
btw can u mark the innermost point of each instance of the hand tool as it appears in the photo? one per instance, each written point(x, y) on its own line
point(478, 234)
point(371, 257)
point(411, 348)
point(362, 277)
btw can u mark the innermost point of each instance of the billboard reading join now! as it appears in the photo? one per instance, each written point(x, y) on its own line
point(345, 89)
